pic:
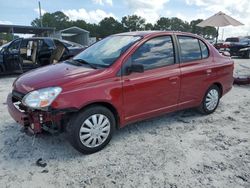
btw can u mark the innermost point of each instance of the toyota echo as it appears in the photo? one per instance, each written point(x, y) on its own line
point(121, 79)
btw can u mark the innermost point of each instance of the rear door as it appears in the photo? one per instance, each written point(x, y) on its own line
point(155, 90)
point(196, 70)
point(60, 52)
point(45, 49)
point(11, 57)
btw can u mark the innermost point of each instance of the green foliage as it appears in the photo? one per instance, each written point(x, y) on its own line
point(109, 25)
point(174, 23)
point(133, 23)
point(149, 26)
point(163, 24)
point(6, 36)
point(57, 19)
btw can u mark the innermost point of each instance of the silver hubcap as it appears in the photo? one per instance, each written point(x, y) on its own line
point(94, 130)
point(212, 99)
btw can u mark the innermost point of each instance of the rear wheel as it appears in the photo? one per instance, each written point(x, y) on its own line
point(91, 130)
point(211, 100)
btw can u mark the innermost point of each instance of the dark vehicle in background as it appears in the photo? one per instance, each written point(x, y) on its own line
point(236, 46)
point(24, 54)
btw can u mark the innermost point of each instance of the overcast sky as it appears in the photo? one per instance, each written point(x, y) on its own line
point(22, 12)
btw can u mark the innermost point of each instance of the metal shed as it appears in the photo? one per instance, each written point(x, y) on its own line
point(74, 34)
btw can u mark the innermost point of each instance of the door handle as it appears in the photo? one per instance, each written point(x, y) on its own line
point(174, 79)
point(209, 71)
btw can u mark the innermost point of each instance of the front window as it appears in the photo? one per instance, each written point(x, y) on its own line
point(105, 52)
point(14, 46)
point(155, 53)
point(3, 47)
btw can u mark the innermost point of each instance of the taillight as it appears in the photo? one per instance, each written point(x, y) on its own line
point(225, 45)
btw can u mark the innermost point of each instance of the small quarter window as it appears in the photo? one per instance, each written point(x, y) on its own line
point(204, 50)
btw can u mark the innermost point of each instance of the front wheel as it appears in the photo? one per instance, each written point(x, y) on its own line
point(2, 69)
point(248, 55)
point(211, 100)
point(91, 130)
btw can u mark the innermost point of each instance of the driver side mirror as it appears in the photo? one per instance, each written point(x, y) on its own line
point(135, 68)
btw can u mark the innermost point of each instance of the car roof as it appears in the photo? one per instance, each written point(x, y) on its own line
point(41, 38)
point(50, 38)
point(140, 33)
point(37, 38)
point(149, 33)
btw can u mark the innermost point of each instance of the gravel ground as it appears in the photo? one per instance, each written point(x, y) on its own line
point(242, 67)
point(182, 149)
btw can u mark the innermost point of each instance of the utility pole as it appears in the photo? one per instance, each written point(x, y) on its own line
point(40, 12)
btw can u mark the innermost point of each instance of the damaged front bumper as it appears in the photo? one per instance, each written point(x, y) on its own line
point(34, 120)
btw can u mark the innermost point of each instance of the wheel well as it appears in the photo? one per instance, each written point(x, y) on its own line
point(220, 87)
point(108, 106)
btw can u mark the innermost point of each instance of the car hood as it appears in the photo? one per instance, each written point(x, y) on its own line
point(53, 75)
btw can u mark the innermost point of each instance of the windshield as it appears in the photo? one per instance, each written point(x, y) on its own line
point(105, 52)
point(4, 46)
point(233, 39)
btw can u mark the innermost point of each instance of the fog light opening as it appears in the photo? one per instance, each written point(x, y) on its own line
point(41, 118)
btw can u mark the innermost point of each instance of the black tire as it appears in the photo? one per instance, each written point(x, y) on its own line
point(203, 108)
point(78, 121)
point(2, 69)
point(248, 54)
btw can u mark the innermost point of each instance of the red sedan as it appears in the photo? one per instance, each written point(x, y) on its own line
point(121, 79)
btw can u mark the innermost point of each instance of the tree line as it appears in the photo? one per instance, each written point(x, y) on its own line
point(110, 25)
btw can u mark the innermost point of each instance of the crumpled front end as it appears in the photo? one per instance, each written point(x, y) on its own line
point(34, 120)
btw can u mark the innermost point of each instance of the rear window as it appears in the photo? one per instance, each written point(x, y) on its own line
point(233, 39)
point(48, 43)
point(70, 44)
point(190, 48)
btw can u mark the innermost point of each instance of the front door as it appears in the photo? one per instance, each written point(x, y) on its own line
point(156, 90)
point(11, 58)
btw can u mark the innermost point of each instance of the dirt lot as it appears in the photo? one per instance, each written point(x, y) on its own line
point(183, 149)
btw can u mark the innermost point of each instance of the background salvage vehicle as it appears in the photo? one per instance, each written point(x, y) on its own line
point(22, 54)
point(121, 79)
point(236, 46)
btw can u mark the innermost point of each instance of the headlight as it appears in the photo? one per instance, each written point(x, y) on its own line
point(41, 98)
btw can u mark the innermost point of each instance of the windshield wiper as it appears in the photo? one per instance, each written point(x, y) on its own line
point(85, 62)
